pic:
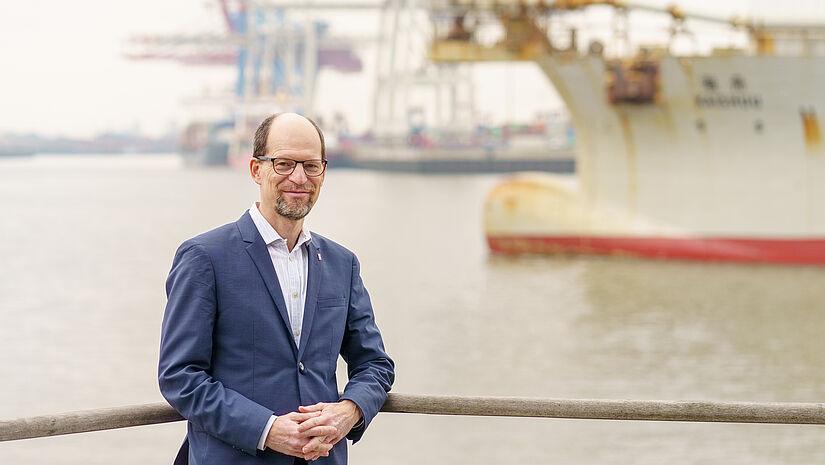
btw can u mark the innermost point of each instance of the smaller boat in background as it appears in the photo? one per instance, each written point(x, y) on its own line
point(540, 146)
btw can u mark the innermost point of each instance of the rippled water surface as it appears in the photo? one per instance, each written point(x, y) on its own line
point(87, 242)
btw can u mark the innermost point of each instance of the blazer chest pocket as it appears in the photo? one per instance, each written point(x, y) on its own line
point(331, 320)
point(330, 302)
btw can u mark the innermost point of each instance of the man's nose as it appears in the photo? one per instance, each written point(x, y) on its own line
point(298, 176)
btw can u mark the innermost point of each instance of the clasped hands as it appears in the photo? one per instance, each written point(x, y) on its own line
point(313, 430)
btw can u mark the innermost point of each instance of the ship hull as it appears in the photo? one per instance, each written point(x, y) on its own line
point(457, 165)
point(519, 153)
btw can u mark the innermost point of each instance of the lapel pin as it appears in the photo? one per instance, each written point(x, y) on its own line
point(319, 256)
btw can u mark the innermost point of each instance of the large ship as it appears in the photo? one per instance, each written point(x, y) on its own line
point(712, 157)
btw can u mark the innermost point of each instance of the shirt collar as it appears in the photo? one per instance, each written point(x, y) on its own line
point(269, 234)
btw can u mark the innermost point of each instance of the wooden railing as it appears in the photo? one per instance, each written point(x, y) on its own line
point(654, 410)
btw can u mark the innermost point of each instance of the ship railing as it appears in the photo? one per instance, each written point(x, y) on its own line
point(593, 409)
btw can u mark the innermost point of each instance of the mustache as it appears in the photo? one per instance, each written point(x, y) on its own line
point(289, 186)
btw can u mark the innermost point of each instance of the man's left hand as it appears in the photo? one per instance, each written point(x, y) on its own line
point(342, 415)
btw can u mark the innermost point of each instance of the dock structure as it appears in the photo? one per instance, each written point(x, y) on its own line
point(590, 409)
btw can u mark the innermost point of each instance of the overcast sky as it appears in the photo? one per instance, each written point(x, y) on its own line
point(63, 70)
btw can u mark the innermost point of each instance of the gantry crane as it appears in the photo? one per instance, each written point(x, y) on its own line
point(277, 61)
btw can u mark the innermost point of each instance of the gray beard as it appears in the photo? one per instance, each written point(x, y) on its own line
point(293, 212)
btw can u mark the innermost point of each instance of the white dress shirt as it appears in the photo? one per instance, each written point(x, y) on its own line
point(291, 266)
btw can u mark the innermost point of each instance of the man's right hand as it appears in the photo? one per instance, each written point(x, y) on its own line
point(285, 438)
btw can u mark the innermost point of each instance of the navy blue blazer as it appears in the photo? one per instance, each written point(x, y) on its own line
point(228, 360)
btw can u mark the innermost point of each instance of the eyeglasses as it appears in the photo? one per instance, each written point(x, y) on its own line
point(285, 166)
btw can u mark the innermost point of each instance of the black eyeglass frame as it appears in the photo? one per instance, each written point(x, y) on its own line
point(272, 159)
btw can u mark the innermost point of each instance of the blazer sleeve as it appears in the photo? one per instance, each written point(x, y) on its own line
point(184, 372)
point(371, 371)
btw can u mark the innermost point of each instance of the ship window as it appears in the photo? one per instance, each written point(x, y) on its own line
point(709, 83)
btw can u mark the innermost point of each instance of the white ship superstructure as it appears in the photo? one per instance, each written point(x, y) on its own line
point(705, 157)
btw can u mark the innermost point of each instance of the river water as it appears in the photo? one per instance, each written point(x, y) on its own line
point(87, 243)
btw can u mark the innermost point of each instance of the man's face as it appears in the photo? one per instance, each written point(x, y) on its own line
point(290, 196)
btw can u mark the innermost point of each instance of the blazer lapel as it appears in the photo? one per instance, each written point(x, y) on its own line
point(314, 263)
point(263, 262)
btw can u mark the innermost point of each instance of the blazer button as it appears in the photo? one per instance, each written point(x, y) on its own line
point(301, 367)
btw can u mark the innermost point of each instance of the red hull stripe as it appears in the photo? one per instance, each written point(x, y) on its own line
point(803, 251)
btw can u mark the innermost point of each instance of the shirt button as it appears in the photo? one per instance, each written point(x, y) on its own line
point(294, 294)
point(301, 367)
point(290, 258)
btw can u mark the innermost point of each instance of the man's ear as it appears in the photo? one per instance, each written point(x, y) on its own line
point(255, 170)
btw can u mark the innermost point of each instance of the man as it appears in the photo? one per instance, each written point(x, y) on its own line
point(258, 312)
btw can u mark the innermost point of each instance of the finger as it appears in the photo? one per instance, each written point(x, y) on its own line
point(312, 408)
point(313, 423)
point(308, 453)
point(310, 423)
point(325, 450)
point(322, 451)
point(314, 457)
point(322, 430)
point(302, 417)
point(333, 439)
point(314, 444)
point(310, 456)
